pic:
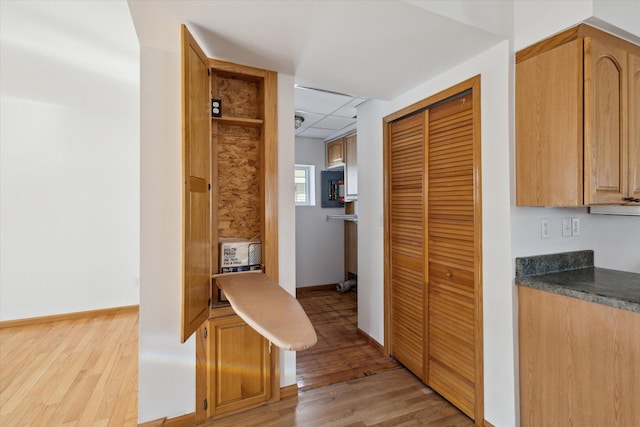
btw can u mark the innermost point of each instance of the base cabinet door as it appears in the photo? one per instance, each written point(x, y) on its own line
point(239, 359)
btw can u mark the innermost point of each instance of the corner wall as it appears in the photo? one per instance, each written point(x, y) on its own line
point(69, 162)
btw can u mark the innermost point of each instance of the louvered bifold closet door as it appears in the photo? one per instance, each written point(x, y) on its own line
point(451, 223)
point(407, 242)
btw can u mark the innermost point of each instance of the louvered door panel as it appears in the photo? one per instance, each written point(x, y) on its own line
point(407, 241)
point(451, 252)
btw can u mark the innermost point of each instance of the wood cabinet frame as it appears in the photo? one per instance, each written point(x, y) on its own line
point(199, 150)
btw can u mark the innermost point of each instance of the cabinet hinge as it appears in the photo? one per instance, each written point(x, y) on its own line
point(209, 190)
point(208, 71)
point(206, 404)
point(205, 332)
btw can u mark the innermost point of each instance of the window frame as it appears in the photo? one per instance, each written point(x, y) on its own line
point(310, 185)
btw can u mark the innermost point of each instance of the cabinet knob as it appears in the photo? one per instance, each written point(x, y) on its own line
point(448, 274)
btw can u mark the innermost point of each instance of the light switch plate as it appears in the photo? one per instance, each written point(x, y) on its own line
point(566, 227)
point(575, 226)
point(545, 228)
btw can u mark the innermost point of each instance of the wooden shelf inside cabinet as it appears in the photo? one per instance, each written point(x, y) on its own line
point(238, 121)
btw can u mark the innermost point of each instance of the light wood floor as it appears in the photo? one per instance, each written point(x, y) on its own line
point(392, 398)
point(84, 372)
point(340, 354)
point(81, 372)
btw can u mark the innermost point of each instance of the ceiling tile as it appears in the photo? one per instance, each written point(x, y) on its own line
point(349, 110)
point(309, 118)
point(334, 122)
point(316, 133)
point(315, 101)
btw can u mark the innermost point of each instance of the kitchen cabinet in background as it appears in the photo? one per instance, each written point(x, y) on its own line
point(335, 153)
point(342, 153)
point(351, 167)
point(577, 130)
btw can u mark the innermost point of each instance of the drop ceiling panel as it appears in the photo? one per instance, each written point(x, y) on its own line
point(316, 101)
point(316, 133)
point(334, 122)
point(309, 118)
point(349, 110)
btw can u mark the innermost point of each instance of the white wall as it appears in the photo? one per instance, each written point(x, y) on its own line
point(615, 240)
point(69, 158)
point(167, 368)
point(319, 243)
point(534, 20)
point(286, 209)
point(498, 289)
point(623, 14)
point(370, 219)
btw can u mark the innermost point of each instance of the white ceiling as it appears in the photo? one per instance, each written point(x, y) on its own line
point(325, 114)
point(365, 48)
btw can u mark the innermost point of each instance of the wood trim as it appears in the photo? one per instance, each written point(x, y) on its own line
point(202, 373)
point(327, 287)
point(67, 316)
point(186, 420)
point(427, 102)
point(289, 391)
point(488, 424)
point(386, 201)
point(270, 182)
point(275, 374)
point(569, 35)
point(477, 203)
point(373, 343)
point(230, 67)
point(548, 44)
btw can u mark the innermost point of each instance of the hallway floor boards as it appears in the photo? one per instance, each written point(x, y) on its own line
point(340, 354)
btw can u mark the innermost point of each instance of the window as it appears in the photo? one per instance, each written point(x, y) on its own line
point(305, 185)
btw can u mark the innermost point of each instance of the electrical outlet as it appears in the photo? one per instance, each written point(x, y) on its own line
point(545, 228)
point(566, 227)
point(575, 226)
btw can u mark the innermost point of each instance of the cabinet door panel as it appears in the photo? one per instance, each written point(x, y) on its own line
point(335, 152)
point(239, 365)
point(634, 126)
point(351, 167)
point(549, 128)
point(605, 98)
point(196, 164)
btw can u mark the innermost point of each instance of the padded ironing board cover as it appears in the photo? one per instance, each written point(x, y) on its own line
point(268, 309)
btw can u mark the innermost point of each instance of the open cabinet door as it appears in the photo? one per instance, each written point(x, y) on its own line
point(196, 165)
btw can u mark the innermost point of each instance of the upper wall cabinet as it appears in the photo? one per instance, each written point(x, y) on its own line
point(335, 153)
point(343, 153)
point(577, 121)
point(351, 167)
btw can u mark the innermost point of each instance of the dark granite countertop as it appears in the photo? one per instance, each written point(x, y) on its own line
point(573, 274)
